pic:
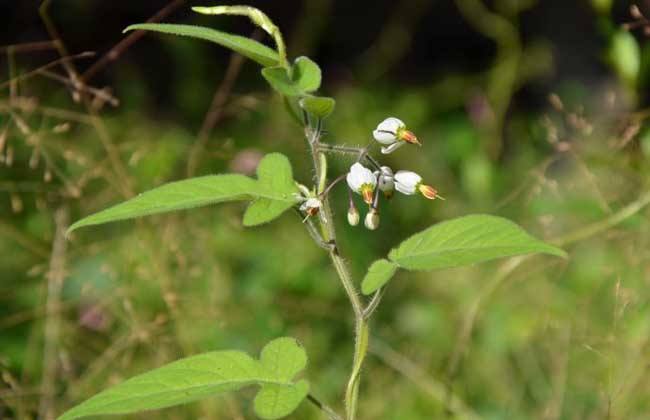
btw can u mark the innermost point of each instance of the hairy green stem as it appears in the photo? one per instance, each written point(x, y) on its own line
point(328, 234)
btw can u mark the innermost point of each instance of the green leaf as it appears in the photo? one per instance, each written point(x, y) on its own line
point(306, 74)
point(279, 80)
point(379, 273)
point(245, 46)
point(209, 374)
point(305, 77)
point(178, 195)
point(275, 188)
point(467, 240)
point(275, 178)
point(284, 358)
point(319, 106)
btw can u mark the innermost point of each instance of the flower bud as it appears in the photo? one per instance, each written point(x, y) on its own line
point(372, 219)
point(353, 216)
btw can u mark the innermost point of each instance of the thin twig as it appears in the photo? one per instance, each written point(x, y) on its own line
point(331, 414)
point(30, 74)
point(28, 47)
point(115, 52)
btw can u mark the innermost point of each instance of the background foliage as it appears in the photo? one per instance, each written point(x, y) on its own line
point(533, 110)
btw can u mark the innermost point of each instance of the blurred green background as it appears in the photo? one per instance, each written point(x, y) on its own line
point(531, 110)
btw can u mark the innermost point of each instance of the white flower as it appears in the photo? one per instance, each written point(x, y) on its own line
point(393, 134)
point(362, 181)
point(386, 181)
point(311, 206)
point(386, 131)
point(409, 183)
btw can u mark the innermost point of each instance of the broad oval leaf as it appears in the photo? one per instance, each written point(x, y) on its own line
point(208, 374)
point(318, 106)
point(379, 273)
point(467, 240)
point(275, 187)
point(279, 80)
point(275, 177)
point(245, 46)
point(306, 74)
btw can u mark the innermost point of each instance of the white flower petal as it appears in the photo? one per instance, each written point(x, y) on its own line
point(384, 137)
point(386, 131)
point(406, 182)
point(390, 124)
point(358, 176)
point(390, 149)
point(386, 182)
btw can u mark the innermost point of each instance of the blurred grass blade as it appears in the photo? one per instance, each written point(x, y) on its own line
point(209, 374)
point(245, 46)
point(379, 273)
point(467, 240)
point(275, 186)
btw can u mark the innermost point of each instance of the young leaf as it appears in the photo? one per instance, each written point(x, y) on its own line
point(245, 46)
point(379, 273)
point(467, 240)
point(258, 17)
point(306, 74)
point(279, 80)
point(275, 177)
point(318, 106)
point(275, 187)
point(209, 374)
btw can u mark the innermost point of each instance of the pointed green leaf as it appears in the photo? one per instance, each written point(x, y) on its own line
point(178, 195)
point(306, 74)
point(279, 80)
point(209, 374)
point(318, 106)
point(245, 46)
point(467, 240)
point(379, 273)
point(275, 189)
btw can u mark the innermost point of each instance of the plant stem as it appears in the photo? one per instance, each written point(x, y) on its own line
point(328, 233)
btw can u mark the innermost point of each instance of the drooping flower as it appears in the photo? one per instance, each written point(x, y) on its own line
point(393, 134)
point(409, 183)
point(386, 181)
point(361, 180)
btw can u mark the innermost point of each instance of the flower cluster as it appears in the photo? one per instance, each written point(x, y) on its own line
point(391, 134)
